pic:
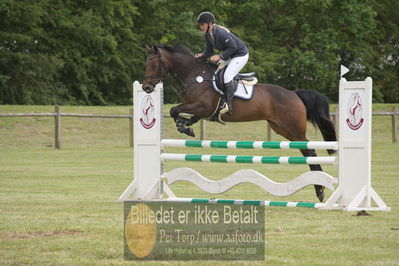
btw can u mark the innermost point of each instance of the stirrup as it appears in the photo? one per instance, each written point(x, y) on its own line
point(225, 109)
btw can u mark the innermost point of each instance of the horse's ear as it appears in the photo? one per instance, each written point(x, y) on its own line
point(148, 48)
point(155, 49)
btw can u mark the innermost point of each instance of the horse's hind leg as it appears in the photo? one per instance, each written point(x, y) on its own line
point(315, 167)
point(287, 132)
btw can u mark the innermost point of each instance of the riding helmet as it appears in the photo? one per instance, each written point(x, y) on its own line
point(206, 17)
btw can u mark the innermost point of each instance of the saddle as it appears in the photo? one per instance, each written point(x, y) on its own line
point(241, 79)
point(248, 79)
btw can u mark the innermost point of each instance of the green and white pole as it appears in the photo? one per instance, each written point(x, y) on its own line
point(248, 202)
point(250, 144)
point(246, 159)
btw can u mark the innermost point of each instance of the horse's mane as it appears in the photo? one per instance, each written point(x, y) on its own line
point(182, 49)
point(178, 48)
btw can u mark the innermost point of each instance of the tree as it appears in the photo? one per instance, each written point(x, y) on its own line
point(300, 44)
point(76, 52)
point(386, 43)
point(90, 51)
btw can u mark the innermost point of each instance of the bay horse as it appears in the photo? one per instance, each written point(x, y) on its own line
point(286, 111)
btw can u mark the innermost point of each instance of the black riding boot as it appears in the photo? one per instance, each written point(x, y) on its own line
point(229, 90)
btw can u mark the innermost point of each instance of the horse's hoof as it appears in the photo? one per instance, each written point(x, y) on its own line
point(320, 193)
point(331, 152)
point(190, 132)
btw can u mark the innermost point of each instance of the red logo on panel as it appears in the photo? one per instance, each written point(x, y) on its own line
point(355, 119)
point(147, 119)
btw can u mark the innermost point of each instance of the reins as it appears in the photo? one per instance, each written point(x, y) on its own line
point(163, 64)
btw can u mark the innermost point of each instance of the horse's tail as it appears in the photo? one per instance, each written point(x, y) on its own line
point(317, 111)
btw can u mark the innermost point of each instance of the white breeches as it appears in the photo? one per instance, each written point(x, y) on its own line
point(234, 67)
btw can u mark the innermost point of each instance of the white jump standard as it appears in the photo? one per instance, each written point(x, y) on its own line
point(354, 190)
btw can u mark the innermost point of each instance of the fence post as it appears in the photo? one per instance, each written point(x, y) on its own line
point(202, 129)
point(394, 125)
point(269, 132)
point(57, 141)
point(131, 128)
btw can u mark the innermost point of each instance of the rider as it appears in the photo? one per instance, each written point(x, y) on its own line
point(233, 51)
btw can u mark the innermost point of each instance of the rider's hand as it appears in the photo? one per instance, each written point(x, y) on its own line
point(215, 58)
point(198, 55)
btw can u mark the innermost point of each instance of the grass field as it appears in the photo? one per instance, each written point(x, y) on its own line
point(58, 206)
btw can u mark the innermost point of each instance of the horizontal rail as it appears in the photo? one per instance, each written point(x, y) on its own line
point(250, 144)
point(26, 114)
point(385, 113)
point(248, 202)
point(95, 116)
point(246, 159)
point(126, 116)
point(373, 113)
point(63, 114)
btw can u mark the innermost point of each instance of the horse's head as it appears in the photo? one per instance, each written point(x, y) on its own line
point(155, 68)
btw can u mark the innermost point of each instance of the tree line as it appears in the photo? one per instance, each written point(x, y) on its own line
point(88, 52)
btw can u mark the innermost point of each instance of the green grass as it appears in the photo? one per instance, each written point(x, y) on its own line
point(58, 206)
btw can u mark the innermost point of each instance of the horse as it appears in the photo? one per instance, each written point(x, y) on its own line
point(286, 111)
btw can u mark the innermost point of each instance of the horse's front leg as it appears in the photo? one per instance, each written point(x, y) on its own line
point(182, 123)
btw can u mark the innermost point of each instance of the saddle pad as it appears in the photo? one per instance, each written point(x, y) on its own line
point(243, 91)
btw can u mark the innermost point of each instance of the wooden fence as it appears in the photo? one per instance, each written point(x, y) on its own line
point(58, 115)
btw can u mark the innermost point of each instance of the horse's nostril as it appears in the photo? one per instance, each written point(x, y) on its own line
point(147, 89)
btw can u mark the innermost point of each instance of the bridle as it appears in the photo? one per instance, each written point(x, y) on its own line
point(160, 65)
